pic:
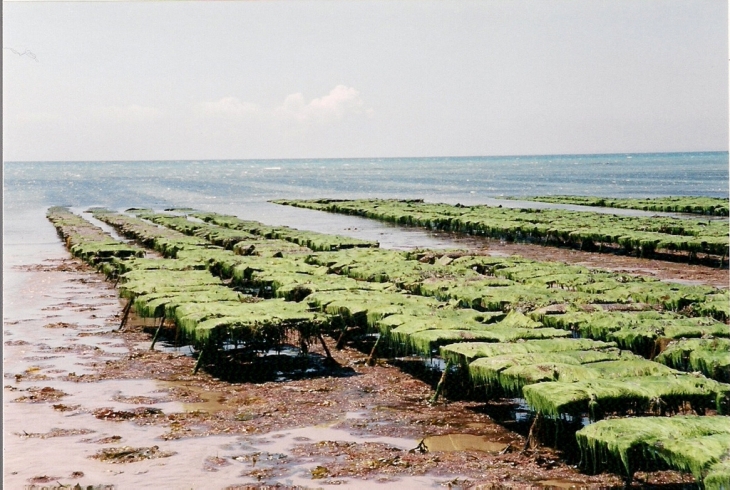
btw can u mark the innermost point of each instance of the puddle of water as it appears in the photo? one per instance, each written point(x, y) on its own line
point(213, 401)
point(58, 351)
point(105, 227)
point(462, 442)
point(560, 484)
point(282, 441)
point(105, 394)
point(164, 346)
point(477, 425)
point(25, 458)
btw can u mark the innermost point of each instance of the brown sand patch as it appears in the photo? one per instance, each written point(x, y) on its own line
point(41, 395)
point(126, 454)
point(55, 432)
point(60, 325)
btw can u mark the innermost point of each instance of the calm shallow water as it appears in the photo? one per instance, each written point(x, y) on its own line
point(243, 187)
point(206, 184)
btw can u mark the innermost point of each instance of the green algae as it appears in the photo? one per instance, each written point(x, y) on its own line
point(642, 332)
point(619, 395)
point(695, 444)
point(511, 372)
point(165, 241)
point(89, 242)
point(581, 229)
point(718, 475)
point(492, 284)
point(715, 305)
point(309, 239)
point(711, 206)
point(163, 304)
point(263, 323)
point(469, 351)
point(708, 356)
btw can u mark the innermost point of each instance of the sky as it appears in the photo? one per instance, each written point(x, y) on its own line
point(339, 79)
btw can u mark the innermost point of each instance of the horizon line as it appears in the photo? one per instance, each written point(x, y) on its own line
point(372, 158)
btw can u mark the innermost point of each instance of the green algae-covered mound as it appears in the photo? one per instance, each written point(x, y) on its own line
point(581, 229)
point(467, 352)
point(716, 305)
point(694, 444)
point(709, 356)
point(310, 239)
point(224, 237)
point(640, 394)
point(513, 283)
point(711, 206)
point(262, 324)
point(641, 331)
point(559, 377)
point(163, 240)
point(146, 281)
point(90, 243)
point(241, 242)
point(511, 373)
point(157, 292)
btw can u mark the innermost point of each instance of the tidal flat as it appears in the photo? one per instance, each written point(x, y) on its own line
point(86, 403)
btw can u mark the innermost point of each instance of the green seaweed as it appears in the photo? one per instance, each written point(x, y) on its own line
point(621, 394)
point(581, 229)
point(699, 445)
point(469, 351)
point(712, 206)
point(708, 356)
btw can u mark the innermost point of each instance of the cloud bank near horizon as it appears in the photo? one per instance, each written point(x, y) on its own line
point(342, 101)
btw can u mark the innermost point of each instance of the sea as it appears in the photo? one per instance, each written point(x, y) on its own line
point(244, 187)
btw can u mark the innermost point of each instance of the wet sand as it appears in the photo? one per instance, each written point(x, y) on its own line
point(74, 387)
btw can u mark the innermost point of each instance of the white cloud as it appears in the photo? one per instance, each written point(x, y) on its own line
point(340, 102)
point(230, 106)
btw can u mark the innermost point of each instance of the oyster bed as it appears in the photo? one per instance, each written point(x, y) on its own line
point(549, 333)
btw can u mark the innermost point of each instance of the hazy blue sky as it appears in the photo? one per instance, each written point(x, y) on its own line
point(288, 79)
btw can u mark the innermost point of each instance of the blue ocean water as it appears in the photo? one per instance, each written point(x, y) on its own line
point(243, 188)
point(469, 180)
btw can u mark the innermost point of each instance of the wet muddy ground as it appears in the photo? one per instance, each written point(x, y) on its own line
point(86, 404)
